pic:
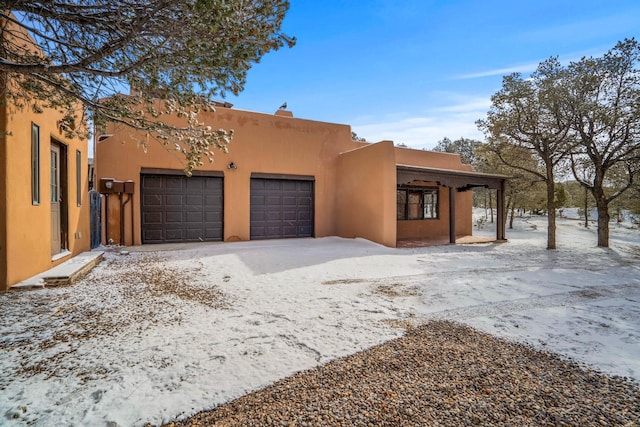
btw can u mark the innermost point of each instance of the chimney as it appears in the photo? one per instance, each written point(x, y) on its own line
point(284, 113)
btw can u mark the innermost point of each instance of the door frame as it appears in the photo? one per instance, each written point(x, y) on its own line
point(61, 187)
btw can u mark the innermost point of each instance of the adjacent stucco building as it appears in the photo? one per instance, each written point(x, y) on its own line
point(283, 177)
point(44, 211)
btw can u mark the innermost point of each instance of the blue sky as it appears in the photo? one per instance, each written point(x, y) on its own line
point(416, 71)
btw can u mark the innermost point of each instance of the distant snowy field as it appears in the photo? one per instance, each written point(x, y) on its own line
point(151, 336)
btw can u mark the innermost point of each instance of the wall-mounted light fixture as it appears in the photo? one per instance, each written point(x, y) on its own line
point(232, 166)
point(108, 185)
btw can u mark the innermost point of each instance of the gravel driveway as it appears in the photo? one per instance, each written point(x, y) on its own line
point(441, 373)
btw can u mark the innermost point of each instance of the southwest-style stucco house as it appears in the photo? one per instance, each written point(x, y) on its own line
point(44, 209)
point(283, 177)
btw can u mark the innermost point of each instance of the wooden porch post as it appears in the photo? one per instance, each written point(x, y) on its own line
point(500, 232)
point(452, 215)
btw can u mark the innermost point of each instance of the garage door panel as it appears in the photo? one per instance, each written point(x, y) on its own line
point(174, 234)
point(258, 184)
point(305, 230)
point(290, 231)
point(152, 200)
point(256, 216)
point(210, 217)
point(274, 200)
point(304, 201)
point(274, 231)
point(212, 200)
point(289, 200)
point(281, 208)
point(173, 199)
point(273, 185)
point(290, 185)
point(213, 185)
point(194, 217)
point(257, 200)
point(306, 186)
point(211, 233)
point(194, 200)
point(257, 232)
point(194, 234)
point(273, 216)
point(181, 209)
point(173, 182)
point(153, 182)
point(151, 235)
point(195, 183)
point(290, 215)
point(152, 217)
point(173, 217)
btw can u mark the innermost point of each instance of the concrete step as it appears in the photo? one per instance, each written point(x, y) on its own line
point(64, 274)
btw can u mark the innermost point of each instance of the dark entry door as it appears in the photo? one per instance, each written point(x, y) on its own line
point(55, 198)
point(281, 208)
point(177, 208)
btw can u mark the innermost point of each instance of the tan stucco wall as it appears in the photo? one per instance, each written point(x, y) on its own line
point(366, 193)
point(25, 228)
point(28, 227)
point(262, 143)
point(3, 198)
point(355, 182)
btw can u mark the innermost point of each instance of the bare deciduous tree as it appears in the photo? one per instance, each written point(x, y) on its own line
point(605, 103)
point(529, 114)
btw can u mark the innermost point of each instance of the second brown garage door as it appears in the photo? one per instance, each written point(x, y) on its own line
point(281, 208)
point(176, 208)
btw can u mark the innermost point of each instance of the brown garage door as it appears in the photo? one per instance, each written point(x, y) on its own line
point(177, 208)
point(281, 208)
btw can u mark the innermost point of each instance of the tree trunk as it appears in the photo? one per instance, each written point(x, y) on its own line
point(513, 214)
point(586, 208)
point(551, 216)
point(602, 205)
point(551, 204)
point(603, 220)
point(510, 207)
point(551, 207)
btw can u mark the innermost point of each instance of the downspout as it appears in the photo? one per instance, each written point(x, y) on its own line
point(452, 215)
point(122, 205)
point(132, 239)
point(121, 219)
point(106, 219)
point(502, 219)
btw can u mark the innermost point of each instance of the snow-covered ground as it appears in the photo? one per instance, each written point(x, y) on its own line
point(151, 336)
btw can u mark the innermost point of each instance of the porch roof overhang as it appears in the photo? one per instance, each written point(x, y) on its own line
point(461, 181)
point(458, 179)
